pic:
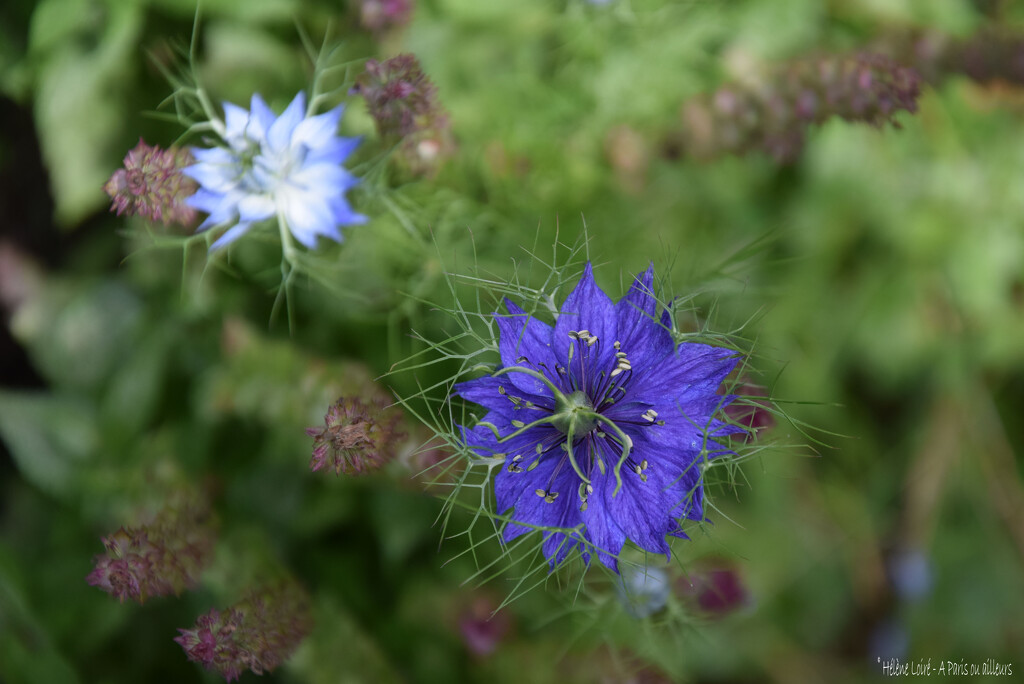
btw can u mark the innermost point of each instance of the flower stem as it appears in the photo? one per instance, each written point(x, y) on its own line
point(627, 445)
point(559, 396)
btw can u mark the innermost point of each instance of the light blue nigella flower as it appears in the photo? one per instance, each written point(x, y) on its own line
point(604, 423)
point(643, 590)
point(287, 166)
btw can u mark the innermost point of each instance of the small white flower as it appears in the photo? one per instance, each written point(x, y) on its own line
point(288, 166)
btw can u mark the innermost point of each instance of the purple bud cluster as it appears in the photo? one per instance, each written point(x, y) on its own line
point(152, 186)
point(483, 627)
point(161, 558)
point(774, 114)
point(985, 57)
point(753, 415)
point(715, 589)
point(381, 16)
point(258, 633)
point(358, 436)
point(403, 103)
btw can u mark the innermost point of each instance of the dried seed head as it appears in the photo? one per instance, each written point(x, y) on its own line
point(358, 436)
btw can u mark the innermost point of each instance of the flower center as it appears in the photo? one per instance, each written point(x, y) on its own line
point(574, 413)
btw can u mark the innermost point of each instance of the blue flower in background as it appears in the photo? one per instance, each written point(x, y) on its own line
point(643, 590)
point(287, 166)
point(603, 421)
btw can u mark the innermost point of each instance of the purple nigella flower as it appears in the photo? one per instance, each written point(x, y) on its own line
point(287, 166)
point(603, 421)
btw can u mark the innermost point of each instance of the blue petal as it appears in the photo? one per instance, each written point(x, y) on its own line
point(604, 534)
point(586, 308)
point(279, 135)
point(235, 120)
point(213, 155)
point(334, 151)
point(641, 336)
point(344, 215)
point(522, 336)
point(307, 215)
point(692, 364)
point(485, 391)
point(640, 509)
point(215, 177)
point(261, 119)
point(533, 509)
point(230, 236)
point(317, 131)
point(253, 208)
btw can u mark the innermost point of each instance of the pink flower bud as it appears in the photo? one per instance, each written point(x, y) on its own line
point(151, 185)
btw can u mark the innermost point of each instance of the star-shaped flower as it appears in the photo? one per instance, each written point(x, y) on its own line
point(603, 421)
point(287, 166)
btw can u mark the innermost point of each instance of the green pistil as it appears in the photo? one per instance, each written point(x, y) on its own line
point(574, 414)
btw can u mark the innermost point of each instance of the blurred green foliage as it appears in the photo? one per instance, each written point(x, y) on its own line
point(880, 276)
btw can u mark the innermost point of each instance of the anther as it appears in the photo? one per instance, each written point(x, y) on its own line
point(550, 498)
point(617, 345)
point(501, 390)
point(518, 423)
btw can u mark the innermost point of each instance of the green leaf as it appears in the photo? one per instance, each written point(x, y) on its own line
point(48, 437)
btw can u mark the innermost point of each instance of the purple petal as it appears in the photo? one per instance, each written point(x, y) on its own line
point(640, 335)
point(586, 308)
point(525, 341)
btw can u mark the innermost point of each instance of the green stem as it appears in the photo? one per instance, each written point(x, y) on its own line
point(497, 435)
point(533, 374)
point(572, 458)
point(627, 445)
point(287, 242)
